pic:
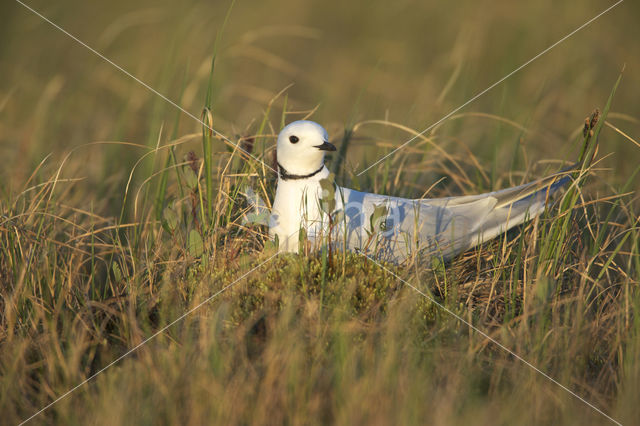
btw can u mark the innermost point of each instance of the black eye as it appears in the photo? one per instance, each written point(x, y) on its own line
point(293, 139)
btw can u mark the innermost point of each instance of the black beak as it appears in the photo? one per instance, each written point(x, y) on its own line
point(326, 146)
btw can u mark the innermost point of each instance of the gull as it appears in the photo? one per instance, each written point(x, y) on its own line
point(308, 206)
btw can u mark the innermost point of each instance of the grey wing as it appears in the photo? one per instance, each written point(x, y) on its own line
point(486, 216)
point(506, 197)
point(412, 225)
point(443, 227)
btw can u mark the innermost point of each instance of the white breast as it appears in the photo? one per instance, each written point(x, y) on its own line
point(296, 206)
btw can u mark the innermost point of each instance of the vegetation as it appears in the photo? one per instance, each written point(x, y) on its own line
point(123, 223)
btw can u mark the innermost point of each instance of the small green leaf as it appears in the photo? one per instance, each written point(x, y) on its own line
point(190, 178)
point(195, 246)
point(437, 265)
point(261, 218)
point(328, 183)
point(328, 196)
point(377, 220)
point(170, 219)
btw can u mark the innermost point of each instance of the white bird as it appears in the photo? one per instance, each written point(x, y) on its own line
point(440, 227)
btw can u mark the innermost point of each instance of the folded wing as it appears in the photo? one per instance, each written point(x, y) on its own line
point(440, 227)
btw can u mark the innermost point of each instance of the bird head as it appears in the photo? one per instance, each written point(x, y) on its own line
point(301, 147)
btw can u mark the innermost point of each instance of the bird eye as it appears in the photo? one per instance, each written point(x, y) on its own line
point(293, 139)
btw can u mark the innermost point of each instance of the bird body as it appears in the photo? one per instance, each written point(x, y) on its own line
point(391, 228)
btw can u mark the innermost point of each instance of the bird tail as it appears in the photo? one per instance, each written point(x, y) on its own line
point(546, 187)
point(515, 206)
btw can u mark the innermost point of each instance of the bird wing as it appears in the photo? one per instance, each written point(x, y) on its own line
point(412, 225)
point(509, 196)
point(441, 227)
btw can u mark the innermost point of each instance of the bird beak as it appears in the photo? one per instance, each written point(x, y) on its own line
point(326, 146)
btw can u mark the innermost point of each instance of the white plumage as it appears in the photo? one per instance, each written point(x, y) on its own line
point(441, 227)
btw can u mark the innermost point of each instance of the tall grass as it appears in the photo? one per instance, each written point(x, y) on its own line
point(306, 339)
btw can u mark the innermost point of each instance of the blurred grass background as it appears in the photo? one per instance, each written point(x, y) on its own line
point(67, 310)
point(407, 62)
